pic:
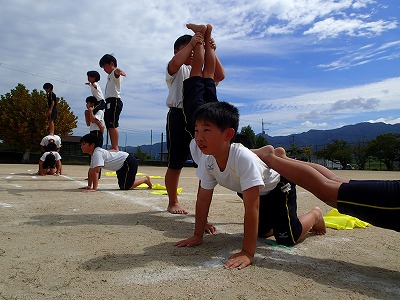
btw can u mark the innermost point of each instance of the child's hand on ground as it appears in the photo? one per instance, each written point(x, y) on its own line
point(239, 260)
point(190, 242)
point(210, 229)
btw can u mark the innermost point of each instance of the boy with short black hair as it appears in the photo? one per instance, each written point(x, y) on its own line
point(113, 97)
point(52, 104)
point(122, 162)
point(269, 199)
point(50, 161)
point(185, 73)
point(93, 79)
point(95, 120)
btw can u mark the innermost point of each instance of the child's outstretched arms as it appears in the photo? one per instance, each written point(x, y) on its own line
point(202, 207)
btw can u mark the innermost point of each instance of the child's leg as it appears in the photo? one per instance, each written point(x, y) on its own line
point(198, 53)
point(171, 183)
point(279, 151)
point(114, 137)
point(145, 180)
point(301, 174)
point(51, 126)
point(209, 60)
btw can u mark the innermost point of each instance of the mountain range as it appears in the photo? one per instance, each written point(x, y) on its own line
point(317, 138)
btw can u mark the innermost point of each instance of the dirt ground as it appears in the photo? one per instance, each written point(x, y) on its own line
point(57, 242)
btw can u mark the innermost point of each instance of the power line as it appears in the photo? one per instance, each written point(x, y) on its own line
point(25, 71)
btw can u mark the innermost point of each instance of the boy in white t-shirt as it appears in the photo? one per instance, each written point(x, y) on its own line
point(95, 120)
point(269, 199)
point(113, 97)
point(50, 161)
point(93, 79)
point(122, 162)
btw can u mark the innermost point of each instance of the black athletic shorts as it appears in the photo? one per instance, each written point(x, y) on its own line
point(100, 137)
point(197, 91)
point(373, 201)
point(127, 174)
point(278, 211)
point(112, 112)
point(53, 114)
point(178, 139)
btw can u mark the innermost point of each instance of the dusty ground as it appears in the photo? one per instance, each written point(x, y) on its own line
point(59, 243)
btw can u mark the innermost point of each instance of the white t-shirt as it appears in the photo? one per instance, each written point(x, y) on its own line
point(113, 86)
point(96, 91)
point(47, 138)
point(244, 170)
point(109, 160)
point(99, 116)
point(57, 155)
point(175, 86)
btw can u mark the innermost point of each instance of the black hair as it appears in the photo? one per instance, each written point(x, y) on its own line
point(92, 99)
point(182, 40)
point(90, 139)
point(107, 59)
point(94, 74)
point(222, 114)
point(245, 140)
point(51, 146)
point(48, 85)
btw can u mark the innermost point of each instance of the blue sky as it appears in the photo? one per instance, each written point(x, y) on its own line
point(294, 65)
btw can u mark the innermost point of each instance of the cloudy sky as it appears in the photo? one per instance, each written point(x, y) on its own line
point(291, 65)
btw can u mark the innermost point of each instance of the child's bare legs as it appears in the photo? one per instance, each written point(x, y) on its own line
point(301, 174)
point(171, 183)
point(198, 53)
point(139, 181)
point(114, 137)
point(279, 151)
point(51, 126)
point(210, 60)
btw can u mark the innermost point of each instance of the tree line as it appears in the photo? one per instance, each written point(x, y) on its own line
point(384, 148)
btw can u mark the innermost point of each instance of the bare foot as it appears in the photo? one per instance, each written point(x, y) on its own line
point(197, 28)
point(176, 209)
point(280, 152)
point(319, 227)
point(268, 234)
point(148, 182)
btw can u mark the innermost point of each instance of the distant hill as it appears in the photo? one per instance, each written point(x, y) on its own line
point(350, 133)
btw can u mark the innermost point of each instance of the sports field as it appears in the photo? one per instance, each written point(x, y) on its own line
point(57, 242)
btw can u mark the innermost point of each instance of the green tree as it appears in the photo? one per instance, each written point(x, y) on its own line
point(337, 151)
point(140, 155)
point(248, 131)
point(24, 122)
point(260, 141)
point(386, 148)
point(360, 153)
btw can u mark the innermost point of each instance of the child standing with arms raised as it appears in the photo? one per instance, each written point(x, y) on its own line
point(188, 60)
point(113, 97)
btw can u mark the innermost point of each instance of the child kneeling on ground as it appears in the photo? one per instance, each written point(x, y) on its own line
point(122, 162)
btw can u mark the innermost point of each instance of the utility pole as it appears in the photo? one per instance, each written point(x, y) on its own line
point(262, 126)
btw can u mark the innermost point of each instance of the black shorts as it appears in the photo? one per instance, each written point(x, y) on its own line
point(53, 114)
point(178, 139)
point(112, 112)
point(197, 91)
point(278, 211)
point(127, 174)
point(373, 201)
point(100, 138)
